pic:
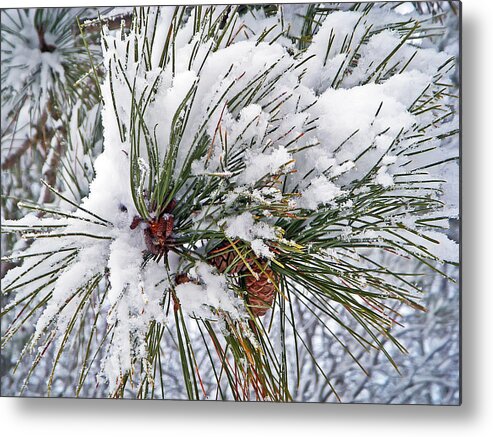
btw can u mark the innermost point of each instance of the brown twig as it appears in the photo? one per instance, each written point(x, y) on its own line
point(10, 160)
point(92, 25)
point(39, 134)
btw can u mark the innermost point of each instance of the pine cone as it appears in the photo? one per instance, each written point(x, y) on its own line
point(261, 292)
point(224, 257)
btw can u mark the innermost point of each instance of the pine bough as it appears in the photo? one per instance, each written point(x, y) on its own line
point(311, 143)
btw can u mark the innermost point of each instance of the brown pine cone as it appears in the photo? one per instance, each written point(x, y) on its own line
point(224, 257)
point(261, 292)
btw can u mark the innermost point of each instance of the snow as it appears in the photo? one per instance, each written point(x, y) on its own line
point(211, 292)
point(321, 191)
point(245, 226)
point(383, 178)
point(261, 249)
point(261, 165)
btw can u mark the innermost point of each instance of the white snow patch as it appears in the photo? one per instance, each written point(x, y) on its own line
point(320, 192)
point(383, 178)
point(259, 165)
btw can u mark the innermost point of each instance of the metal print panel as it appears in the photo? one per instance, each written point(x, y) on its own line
point(232, 202)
